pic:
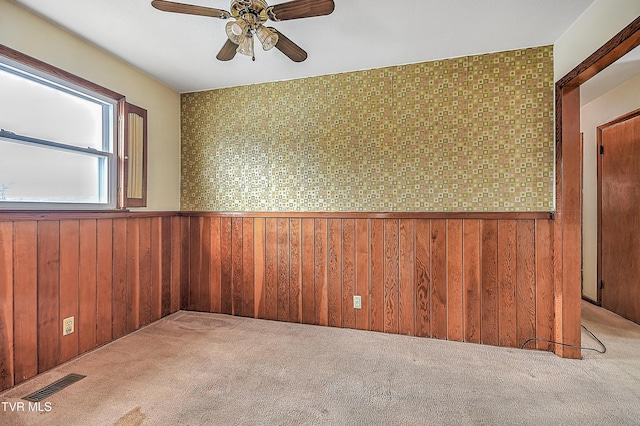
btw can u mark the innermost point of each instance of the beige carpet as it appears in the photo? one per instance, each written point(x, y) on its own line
point(207, 369)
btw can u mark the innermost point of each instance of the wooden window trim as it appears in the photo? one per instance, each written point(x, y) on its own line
point(126, 110)
point(7, 52)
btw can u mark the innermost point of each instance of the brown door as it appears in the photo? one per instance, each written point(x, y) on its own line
point(619, 215)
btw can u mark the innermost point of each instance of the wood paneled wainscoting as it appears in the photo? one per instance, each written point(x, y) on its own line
point(113, 272)
point(482, 278)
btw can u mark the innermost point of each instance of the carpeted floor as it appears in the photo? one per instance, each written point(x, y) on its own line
point(206, 369)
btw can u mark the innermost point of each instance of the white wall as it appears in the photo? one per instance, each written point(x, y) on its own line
point(597, 25)
point(29, 34)
point(613, 104)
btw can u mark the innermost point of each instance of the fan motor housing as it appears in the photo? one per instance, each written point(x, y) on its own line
point(258, 8)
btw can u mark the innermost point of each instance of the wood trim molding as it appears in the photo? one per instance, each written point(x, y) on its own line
point(8, 52)
point(598, 300)
point(378, 215)
point(621, 44)
point(15, 216)
point(21, 215)
point(620, 119)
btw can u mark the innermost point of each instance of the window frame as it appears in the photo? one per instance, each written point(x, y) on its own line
point(128, 200)
point(73, 83)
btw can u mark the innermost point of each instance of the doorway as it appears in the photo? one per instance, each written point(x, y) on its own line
point(568, 224)
point(605, 100)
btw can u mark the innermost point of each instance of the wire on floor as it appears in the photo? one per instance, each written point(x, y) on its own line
point(538, 339)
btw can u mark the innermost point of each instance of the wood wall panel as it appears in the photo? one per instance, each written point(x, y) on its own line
point(348, 272)
point(271, 271)
point(363, 279)
point(165, 239)
point(423, 278)
point(455, 281)
point(226, 275)
point(526, 281)
point(105, 280)
point(439, 279)
point(472, 277)
point(119, 297)
point(406, 287)
point(157, 274)
point(184, 249)
point(195, 252)
point(307, 267)
point(295, 271)
point(477, 280)
point(6, 305)
point(320, 271)
point(48, 299)
point(507, 282)
point(133, 276)
point(25, 309)
point(69, 268)
point(376, 275)
point(391, 275)
point(248, 274)
point(335, 272)
point(204, 296)
point(282, 241)
point(176, 262)
point(113, 275)
point(215, 266)
point(88, 280)
point(544, 283)
point(489, 331)
point(145, 289)
point(237, 275)
point(258, 267)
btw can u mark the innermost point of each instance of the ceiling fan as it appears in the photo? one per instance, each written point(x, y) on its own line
point(250, 17)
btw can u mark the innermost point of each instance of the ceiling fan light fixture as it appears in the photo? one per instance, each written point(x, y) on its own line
point(250, 16)
point(236, 31)
point(267, 37)
point(246, 47)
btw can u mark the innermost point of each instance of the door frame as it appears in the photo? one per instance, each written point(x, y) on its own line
point(599, 131)
point(568, 219)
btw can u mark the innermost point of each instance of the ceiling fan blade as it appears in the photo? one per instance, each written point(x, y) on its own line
point(289, 48)
point(169, 6)
point(228, 51)
point(300, 9)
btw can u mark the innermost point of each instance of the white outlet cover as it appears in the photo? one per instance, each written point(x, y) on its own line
point(67, 326)
point(357, 302)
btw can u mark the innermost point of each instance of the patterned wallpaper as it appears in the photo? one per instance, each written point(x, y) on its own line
point(467, 134)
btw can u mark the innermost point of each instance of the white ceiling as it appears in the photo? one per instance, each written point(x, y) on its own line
point(180, 50)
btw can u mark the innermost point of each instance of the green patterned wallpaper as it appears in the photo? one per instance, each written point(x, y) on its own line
point(470, 134)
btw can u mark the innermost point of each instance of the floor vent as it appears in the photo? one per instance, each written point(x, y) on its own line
point(54, 387)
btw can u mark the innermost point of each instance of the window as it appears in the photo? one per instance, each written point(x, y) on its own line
point(58, 139)
point(135, 155)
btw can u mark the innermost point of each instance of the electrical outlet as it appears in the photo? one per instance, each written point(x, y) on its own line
point(357, 302)
point(67, 326)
